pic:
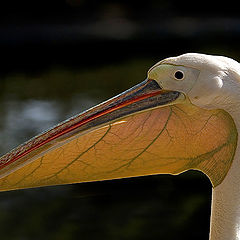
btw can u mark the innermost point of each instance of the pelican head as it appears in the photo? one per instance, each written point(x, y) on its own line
point(208, 81)
point(184, 116)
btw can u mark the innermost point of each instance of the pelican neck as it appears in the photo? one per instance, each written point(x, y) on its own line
point(225, 216)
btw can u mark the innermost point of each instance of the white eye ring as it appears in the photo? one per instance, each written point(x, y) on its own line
point(179, 75)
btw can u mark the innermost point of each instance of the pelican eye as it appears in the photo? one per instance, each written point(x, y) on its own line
point(179, 75)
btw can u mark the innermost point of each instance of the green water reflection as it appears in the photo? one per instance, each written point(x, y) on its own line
point(34, 102)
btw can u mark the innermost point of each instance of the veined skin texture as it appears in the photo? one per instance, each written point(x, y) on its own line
point(170, 139)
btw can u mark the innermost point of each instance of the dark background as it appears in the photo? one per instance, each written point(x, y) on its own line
point(60, 57)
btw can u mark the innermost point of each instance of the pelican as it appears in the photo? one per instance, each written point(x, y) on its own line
point(184, 116)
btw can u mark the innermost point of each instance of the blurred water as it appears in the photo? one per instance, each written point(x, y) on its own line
point(26, 118)
point(32, 104)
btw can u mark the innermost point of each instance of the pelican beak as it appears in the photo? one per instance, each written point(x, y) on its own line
point(66, 138)
point(142, 97)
